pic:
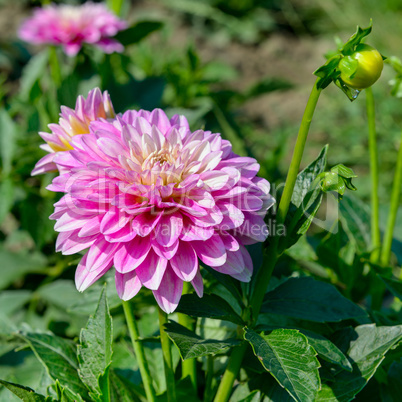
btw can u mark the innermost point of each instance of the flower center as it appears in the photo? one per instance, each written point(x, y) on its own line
point(158, 159)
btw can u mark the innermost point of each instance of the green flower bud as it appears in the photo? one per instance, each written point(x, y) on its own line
point(362, 68)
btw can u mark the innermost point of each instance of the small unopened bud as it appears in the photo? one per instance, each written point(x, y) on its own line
point(362, 68)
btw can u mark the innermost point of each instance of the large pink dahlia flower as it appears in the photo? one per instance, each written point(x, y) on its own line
point(152, 198)
point(71, 26)
point(71, 123)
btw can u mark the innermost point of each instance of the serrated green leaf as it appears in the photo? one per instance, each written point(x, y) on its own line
point(312, 300)
point(393, 285)
point(323, 346)
point(231, 284)
point(355, 216)
point(121, 390)
point(210, 306)
point(306, 199)
point(366, 346)
point(326, 349)
point(95, 349)
point(287, 355)
point(191, 345)
point(24, 393)
point(59, 358)
point(138, 32)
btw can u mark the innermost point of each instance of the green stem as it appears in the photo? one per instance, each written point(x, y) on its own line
point(116, 6)
point(209, 379)
point(231, 372)
point(167, 358)
point(189, 366)
point(271, 255)
point(139, 351)
point(375, 220)
point(395, 201)
point(55, 71)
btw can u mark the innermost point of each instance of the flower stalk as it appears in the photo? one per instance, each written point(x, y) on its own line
point(189, 366)
point(271, 255)
point(395, 201)
point(139, 351)
point(375, 225)
point(55, 70)
point(167, 358)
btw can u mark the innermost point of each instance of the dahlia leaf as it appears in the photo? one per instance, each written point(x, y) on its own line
point(138, 32)
point(95, 349)
point(311, 300)
point(210, 306)
point(365, 346)
point(191, 345)
point(287, 355)
point(326, 349)
point(26, 394)
point(122, 390)
point(306, 200)
point(59, 358)
point(356, 220)
point(232, 285)
point(393, 285)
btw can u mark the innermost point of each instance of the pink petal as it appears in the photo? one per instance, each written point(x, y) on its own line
point(127, 285)
point(132, 254)
point(84, 277)
point(165, 252)
point(185, 262)
point(234, 264)
point(143, 224)
point(101, 253)
point(212, 251)
point(168, 229)
point(151, 271)
point(113, 221)
point(169, 293)
point(45, 165)
point(198, 284)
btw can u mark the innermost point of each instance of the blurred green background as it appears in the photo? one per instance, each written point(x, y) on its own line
point(239, 67)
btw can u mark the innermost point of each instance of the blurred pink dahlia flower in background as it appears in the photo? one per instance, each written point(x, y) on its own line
point(71, 123)
point(71, 26)
point(152, 198)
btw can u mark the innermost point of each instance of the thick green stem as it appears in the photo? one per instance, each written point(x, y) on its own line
point(271, 255)
point(189, 366)
point(209, 379)
point(167, 358)
point(395, 201)
point(139, 351)
point(375, 225)
point(116, 6)
point(231, 372)
point(55, 71)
